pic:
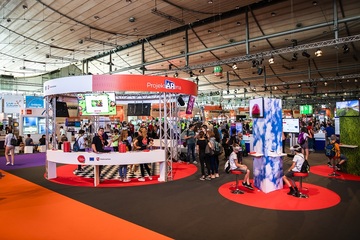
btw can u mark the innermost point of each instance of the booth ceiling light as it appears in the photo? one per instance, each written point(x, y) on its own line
point(176, 74)
point(318, 52)
point(305, 54)
point(234, 66)
point(294, 57)
point(202, 70)
point(346, 49)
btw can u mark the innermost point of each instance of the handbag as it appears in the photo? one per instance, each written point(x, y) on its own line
point(13, 141)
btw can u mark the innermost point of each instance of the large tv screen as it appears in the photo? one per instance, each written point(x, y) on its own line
point(306, 109)
point(139, 109)
point(62, 109)
point(97, 104)
point(347, 108)
point(291, 125)
point(256, 108)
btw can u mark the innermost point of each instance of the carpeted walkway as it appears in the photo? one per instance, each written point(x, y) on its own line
point(192, 209)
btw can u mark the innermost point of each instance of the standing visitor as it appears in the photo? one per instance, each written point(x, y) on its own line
point(9, 147)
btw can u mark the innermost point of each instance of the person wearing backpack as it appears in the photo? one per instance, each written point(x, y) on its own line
point(10, 142)
point(303, 142)
point(338, 155)
point(297, 163)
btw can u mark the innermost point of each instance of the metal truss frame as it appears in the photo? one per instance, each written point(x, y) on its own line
point(168, 130)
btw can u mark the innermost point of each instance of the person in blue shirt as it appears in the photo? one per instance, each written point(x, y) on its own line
point(329, 130)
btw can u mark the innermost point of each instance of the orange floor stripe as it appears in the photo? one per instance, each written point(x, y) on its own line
point(29, 211)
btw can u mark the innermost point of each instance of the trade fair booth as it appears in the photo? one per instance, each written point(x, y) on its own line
point(99, 93)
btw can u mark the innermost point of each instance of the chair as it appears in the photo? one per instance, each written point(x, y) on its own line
point(301, 176)
point(333, 174)
point(17, 150)
point(42, 148)
point(237, 173)
point(28, 149)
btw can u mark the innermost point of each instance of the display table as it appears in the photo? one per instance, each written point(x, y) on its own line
point(347, 146)
point(112, 158)
point(320, 141)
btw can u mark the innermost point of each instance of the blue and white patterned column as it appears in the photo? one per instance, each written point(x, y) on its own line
point(267, 133)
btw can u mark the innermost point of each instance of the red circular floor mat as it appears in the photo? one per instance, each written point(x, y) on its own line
point(319, 198)
point(66, 176)
point(324, 170)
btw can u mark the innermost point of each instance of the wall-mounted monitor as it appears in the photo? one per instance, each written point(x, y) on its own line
point(256, 108)
point(97, 104)
point(347, 108)
point(291, 125)
point(306, 109)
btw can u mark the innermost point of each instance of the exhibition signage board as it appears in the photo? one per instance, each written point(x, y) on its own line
point(13, 103)
point(34, 102)
point(119, 83)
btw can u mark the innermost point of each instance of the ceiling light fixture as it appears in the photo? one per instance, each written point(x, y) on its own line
point(234, 66)
point(346, 49)
point(61, 58)
point(202, 70)
point(271, 60)
point(294, 57)
point(176, 74)
point(318, 52)
point(167, 16)
point(259, 70)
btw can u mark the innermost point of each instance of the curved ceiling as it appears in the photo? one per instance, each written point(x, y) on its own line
point(167, 37)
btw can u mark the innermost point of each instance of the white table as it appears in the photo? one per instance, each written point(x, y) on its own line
point(112, 158)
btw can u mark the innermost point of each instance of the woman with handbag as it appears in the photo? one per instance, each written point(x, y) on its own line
point(10, 142)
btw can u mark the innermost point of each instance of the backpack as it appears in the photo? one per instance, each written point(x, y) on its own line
point(13, 141)
point(217, 149)
point(227, 166)
point(330, 150)
point(76, 146)
point(305, 167)
point(301, 140)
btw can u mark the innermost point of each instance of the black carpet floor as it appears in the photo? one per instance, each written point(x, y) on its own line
point(193, 209)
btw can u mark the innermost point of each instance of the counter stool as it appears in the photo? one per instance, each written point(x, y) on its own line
point(333, 174)
point(301, 176)
point(237, 174)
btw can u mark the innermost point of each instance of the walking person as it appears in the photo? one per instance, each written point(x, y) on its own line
point(10, 142)
point(201, 146)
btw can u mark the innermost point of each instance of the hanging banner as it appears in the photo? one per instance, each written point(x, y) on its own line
point(190, 104)
point(13, 103)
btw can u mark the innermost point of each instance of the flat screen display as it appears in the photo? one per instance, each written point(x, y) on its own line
point(306, 109)
point(62, 109)
point(291, 125)
point(347, 108)
point(30, 125)
point(139, 109)
point(256, 108)
point(97, 104)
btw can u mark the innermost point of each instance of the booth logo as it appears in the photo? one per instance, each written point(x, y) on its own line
point(91, 159)
point(169, 84)
point(81, 159)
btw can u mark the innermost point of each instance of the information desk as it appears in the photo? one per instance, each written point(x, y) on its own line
point(112, 158)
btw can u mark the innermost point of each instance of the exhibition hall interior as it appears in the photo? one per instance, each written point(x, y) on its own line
point(104, 98)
